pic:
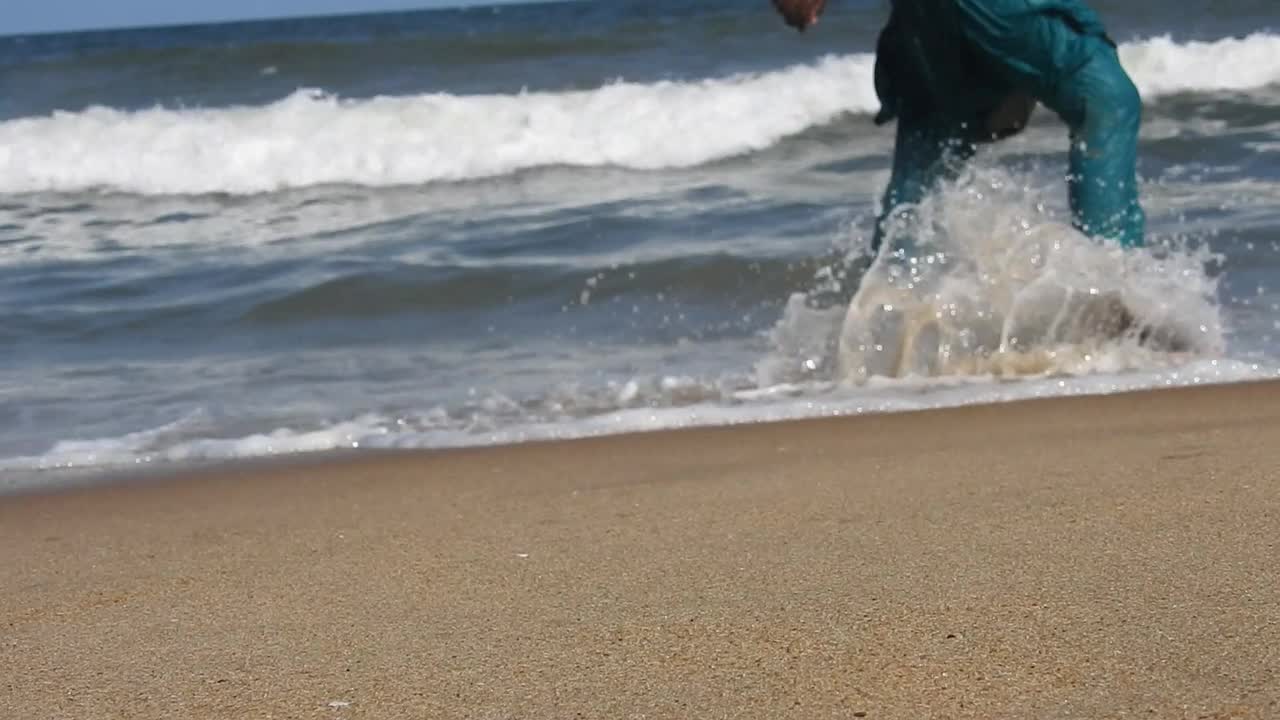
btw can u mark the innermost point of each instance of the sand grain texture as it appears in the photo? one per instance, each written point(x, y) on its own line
point(1084, 558)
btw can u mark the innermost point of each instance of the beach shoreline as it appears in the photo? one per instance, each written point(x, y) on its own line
point(1097, 556)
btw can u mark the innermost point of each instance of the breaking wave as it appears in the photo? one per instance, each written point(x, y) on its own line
point(312, 138)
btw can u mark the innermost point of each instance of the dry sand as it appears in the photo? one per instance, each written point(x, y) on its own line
point(1084, 558)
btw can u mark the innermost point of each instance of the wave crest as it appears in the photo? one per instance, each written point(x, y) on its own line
point(311, 138)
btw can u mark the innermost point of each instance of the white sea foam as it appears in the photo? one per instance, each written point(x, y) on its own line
point(1161, 66)
point(435, 429)
point(311, 138)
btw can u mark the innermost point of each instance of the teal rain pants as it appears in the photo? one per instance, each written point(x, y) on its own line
point(1066, 63)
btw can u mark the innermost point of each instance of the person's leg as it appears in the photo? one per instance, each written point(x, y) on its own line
point(1065, 60)
point(1101, 105)
point(924, 154)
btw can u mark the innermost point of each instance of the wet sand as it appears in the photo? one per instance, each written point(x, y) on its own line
point(1082, 558)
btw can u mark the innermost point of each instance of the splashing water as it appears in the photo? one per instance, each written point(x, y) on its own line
point(981, 279)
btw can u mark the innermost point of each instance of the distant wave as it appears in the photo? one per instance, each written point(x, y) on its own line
point(311, 138)
point(1161, 66)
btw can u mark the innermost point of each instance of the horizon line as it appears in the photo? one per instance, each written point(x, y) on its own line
point(456, 5)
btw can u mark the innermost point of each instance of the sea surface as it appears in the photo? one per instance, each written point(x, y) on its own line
point(504, 224)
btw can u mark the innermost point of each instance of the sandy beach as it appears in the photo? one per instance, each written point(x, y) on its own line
point(1071, 558)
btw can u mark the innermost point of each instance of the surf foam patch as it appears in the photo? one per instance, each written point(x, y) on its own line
point(436, 429)
point(312, 138)
point(1160, 66)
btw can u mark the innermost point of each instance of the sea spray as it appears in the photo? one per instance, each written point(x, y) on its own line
point(982, 280)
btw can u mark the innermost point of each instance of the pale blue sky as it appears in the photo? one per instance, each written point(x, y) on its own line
point(24, 16)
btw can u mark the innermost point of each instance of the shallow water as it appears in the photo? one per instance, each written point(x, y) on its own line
point(484, 226)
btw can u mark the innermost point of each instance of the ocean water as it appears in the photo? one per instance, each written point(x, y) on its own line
point(526, 222)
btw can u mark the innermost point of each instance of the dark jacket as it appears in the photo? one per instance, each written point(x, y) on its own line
point(953, 61)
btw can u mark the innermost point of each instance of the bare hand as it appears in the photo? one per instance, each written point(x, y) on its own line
point(800, 14)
